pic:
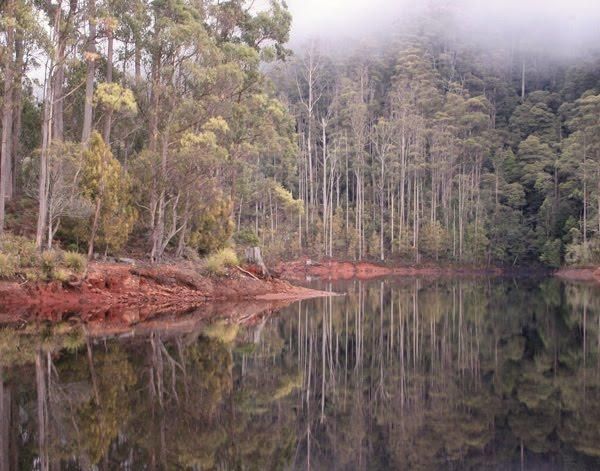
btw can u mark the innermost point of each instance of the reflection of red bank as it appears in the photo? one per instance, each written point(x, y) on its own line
point(579, 274)
point(122, 294)
point(342, 270)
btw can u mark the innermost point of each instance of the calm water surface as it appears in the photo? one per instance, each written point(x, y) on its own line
point(400, 374)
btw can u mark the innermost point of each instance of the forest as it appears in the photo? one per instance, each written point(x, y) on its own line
point(171, 129)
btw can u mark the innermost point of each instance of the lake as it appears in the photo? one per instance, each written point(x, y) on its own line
point(401, 373)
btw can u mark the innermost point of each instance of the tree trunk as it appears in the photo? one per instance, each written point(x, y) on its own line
point(159, 228)
point(47, 128)
point(598, 196)
point(325, 197)
point(17, 112)
point(42, 410)
point(57, 96)
point(523, 81)
point(585, 201)
point(7, 113)
point(253, 256)
point(61, 35)
point(381, 209)
point(43, 179)
point(5, 424)
point(138, 61)
point(109, 79)
point(94, 228)
point(90, 56)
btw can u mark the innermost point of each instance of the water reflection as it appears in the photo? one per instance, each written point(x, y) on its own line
point(399, 374)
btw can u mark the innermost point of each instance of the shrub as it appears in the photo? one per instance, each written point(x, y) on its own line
point(7, 266)
point(246, 237)
point(60, 274)
point(583, 253)
point(551, 253)
point(74, 340)
point(32, 276)
point(222, 331)
point(229, 257)
point(217, 262)
point(19, 257)
point(75, 261)
point(49, 262)
point(20, 248)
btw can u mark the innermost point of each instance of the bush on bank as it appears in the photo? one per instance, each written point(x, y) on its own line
point(19, 258)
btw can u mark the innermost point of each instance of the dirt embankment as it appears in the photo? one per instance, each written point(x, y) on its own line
point(343, 270)
point(579, 274)
point(122, 293)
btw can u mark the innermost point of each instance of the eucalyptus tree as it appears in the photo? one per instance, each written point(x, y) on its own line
point(581, 157)
point(7, 105)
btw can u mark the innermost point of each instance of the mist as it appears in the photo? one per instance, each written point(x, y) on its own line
point(557, 26)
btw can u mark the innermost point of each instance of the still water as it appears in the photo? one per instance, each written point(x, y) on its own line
point(398, 374)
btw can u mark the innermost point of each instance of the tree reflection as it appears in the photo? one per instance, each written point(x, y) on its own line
point(399, 374)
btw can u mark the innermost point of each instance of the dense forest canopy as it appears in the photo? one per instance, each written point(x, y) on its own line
point(178, 127)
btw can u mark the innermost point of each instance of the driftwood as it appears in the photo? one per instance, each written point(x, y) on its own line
point(246, 272)
point(254, 257)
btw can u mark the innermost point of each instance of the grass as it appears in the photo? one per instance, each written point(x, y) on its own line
point(218, 262)
point(62, 275)
point(23, 250)
point(49, 262)
point(7, 266)
point(19, 258)
point(75, 261)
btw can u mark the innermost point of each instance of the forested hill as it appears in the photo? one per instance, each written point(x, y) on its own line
point(175, 128)
point(427, 148)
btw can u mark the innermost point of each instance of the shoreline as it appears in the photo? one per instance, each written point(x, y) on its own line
point(125, 295)
point(579, 274)
point(129, 294)
point(303, 269)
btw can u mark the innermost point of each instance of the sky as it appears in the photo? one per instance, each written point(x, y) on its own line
point(563, 23)
point(351, 18)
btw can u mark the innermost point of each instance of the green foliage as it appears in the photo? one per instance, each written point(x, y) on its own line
point(434, 240)
point(19, 347)
point(583, 253)
point(20, 258)
point(61, 275)
point(49, 263)
point(287, 386)
point(7, 266)
point(75, 261)
point(246, 237)
point(222, 331)
point(114, 97)
point(21, 248)
point(551, 253)
point(477, 243)
point(108, 186)
point(410, 139)
point(99, 421)
point(286, 198)
point(218, 262)
point(213, 227)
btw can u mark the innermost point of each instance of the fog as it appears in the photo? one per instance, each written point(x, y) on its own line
point(563, 25)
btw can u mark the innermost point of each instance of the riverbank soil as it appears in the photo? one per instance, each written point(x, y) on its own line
point(130, 294)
